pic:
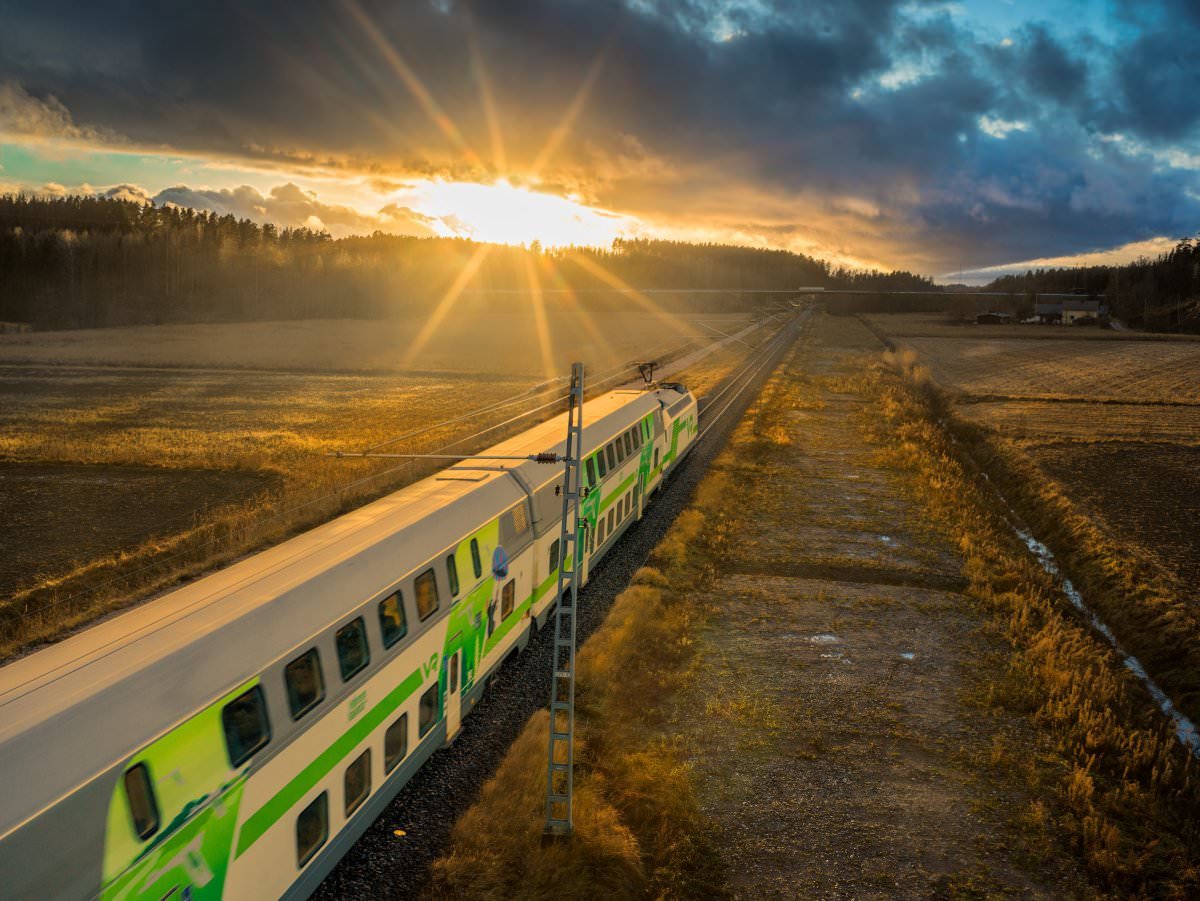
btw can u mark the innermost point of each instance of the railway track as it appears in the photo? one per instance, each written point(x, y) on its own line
point(393, 857)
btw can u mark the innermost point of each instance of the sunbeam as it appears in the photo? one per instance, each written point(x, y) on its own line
point(560, 131)
point(634, 294)
point(415, 86)
point(585, 318)
point(540, 326)
point(446, 304)
point(486, 100)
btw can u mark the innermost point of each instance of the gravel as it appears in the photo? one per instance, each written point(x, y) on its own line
point(383, 865)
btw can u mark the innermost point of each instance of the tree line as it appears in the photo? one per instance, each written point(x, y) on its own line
point(85, 262)
point(1159, 294)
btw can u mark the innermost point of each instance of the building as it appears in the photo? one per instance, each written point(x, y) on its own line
point(15, 328)
point(1048, 312)
point(1075, 310)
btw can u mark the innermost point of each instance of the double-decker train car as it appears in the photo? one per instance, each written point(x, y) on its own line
point(234, 737)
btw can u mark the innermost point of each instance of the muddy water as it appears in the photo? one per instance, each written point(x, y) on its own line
point(53, 516)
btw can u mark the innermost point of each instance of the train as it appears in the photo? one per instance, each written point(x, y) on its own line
point(234, 737)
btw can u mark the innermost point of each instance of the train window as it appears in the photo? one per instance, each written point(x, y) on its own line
point(476, 564)
point(508, 598)
point(428, 712)
point(553, 557)
point(312, 828)
point(452, 574)
point(395, 743)
point(357, 782)
point(628, 443)
point(620, 450)
point(611, 453)
point(656, 458)
point(600, 463)
point(427, 594)
point(305, 687)
point(246, 728)
point(611, 519)
point(142, 806)
point(352, 650)
point(392, 622)
point(590, 465)
point(636, 431)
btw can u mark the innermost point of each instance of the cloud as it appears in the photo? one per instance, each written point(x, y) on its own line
point(27, 116)
point(290, 206)
point(869, 128)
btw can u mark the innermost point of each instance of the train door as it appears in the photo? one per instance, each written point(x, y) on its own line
point(453, 693)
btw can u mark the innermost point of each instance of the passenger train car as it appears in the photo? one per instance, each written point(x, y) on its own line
point(234, 737)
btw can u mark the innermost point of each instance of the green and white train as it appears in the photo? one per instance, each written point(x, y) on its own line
point(233, 738)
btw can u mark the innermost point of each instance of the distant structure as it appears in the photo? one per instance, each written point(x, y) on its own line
point(994, 318)
point(15, 328)
point(1075, 310)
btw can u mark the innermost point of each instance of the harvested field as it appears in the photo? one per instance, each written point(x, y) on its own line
point(462, 343)
point(1157, 371)
point(937, 325)
point(1084, 421)
point(103, 509)
point(1148, 495)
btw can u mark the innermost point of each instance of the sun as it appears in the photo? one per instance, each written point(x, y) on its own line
point(503, 213)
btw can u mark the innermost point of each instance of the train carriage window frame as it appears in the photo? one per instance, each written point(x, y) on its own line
point(139, 795)
point(233, 743)
point(391, 756)
point(619, 445)
point(306, 664)
point(612, 456)
point(422, 585)
point(306, 850)
point(360, 769)
point(554, 549)
point(600, 463)
point(628, 439)
point(476, 561)
point(590, 465)
point(508, 599)
point(656, 458)
point(452, 574)
point(348, 665)
point(636, 431)
point(389, 631)
point(429, 710)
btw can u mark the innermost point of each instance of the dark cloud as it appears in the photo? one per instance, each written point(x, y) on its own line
point(854, 122)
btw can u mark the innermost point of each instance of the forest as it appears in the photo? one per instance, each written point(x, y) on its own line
point(1159, 294)
point(88, 262)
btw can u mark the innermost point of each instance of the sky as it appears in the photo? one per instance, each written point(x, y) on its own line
point(955, 139)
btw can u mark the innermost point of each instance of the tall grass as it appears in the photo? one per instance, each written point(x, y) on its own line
point(639, 831)
point(1125, 795)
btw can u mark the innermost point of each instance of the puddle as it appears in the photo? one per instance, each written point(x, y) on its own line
point(908, 655)
point(886, 539)
point(825, 638)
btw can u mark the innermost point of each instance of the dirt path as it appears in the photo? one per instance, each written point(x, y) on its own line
point(832, 730)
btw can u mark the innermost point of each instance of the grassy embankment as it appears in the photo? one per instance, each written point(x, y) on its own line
point(280, 426)
point(1125, 792)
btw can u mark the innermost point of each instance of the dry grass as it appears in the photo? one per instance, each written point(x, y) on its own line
point(639, 831)
point(1125, 791)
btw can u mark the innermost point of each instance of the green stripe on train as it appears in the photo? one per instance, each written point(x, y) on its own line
point(308, 778)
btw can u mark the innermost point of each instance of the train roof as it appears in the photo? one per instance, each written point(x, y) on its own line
point(72, 710)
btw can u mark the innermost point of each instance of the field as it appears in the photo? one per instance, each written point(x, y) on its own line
point(1115, 421)
point(133, 457)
